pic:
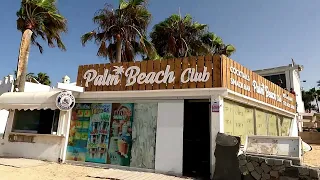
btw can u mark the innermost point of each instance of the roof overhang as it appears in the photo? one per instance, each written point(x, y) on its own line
point(28, 100)
point(168, 94)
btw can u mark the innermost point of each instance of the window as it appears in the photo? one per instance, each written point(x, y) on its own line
point(278, 79)
point(37, 121)
point(238, 120)
point(241, 120)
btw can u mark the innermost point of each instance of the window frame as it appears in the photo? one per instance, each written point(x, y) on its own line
point(55, 120)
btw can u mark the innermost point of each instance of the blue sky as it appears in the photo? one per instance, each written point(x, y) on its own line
point(265, 33)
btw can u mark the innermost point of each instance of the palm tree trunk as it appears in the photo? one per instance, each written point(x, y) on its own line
point(118, 49)
point(23, 60)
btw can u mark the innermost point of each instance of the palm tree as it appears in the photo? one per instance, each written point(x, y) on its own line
point(307, 99)
point(43, 78)
point(216, 45)
point(37, 18)
point(120, 34)
point(29, 76)
point(178, 36)
point(310, 96)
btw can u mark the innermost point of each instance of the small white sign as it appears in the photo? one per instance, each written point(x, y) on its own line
point(65, 101)
point(215, 106)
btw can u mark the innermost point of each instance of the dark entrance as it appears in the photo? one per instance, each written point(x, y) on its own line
point(196, 139)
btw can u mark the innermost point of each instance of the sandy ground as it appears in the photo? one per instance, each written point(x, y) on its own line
point(50, 171)
point(312, 158)
point(53, 171)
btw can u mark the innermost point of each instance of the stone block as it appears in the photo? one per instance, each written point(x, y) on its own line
point(274, 174)
point(248, 177)
point(250, 166)
point(255, 175)
point(265, 167)
point(269, 161)
point(278, 162)
point(258, 169)
point(290, 172)
point(314, 173)
point(255, 159)
point(226, 154)
point(287, 163)
point(248, 157)
point(303, 171)
point(277, 168)
point(287, 178)
point(255, 164)
point(242, 157)
point(305, 178)
point(244, 170)
point(261, 159)
point(243, 162)
point(266, 176)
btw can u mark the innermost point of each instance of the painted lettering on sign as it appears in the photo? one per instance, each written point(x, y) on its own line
point(134, 75)
point(239, 73)
point(258, 88)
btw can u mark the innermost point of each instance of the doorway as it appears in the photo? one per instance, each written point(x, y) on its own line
point(196, 139)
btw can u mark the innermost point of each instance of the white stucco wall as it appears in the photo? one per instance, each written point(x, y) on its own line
point(169, 140)
point(45, 147)
point(297, 88)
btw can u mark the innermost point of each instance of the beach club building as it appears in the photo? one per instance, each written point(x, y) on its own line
point(160, 115)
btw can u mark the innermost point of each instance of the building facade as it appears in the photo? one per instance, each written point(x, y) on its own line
point(160, 116)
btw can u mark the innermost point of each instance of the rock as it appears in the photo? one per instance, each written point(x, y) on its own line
point(255, 164)
point(244, 170)
point(277, 168)
point(226, 154)
point(269, 161)
point(314, 173)
point(274, 174)
point(303, 171)
point(265, 167)
point(250, 166)
point(287, 178)
point(287, 163)
point(290, 172)
point(243, 162)
point(255, 175)
point(255, 159)
point(248, 177)
point(242, 157)
point(258, 169)
point(266, 176)
point(278, 162)
point(261, 160)
point(305, 178)
point(249, 158)
point(226, 140)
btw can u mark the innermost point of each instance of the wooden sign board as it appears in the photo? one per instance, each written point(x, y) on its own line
point(243, 81)
point(180, 73)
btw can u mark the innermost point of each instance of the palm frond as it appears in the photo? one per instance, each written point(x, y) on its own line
point(44, 19)
point(87, 37)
